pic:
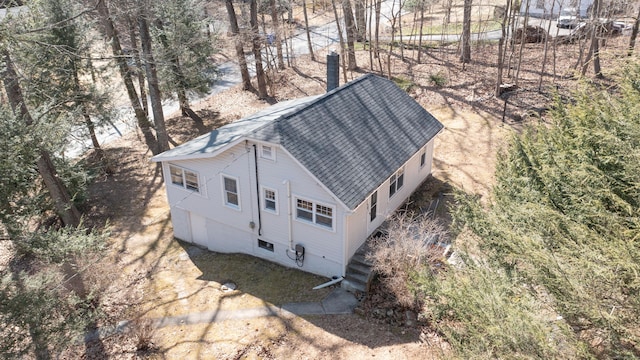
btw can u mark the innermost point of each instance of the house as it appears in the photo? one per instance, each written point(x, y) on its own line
point(553, 8)
point(304, 182)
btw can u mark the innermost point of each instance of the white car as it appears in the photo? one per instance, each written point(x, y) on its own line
point(568, 18)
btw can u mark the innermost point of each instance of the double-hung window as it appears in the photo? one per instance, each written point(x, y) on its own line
point(230, 190)
point(396, 181)
point(373, 205)
point(184, 178)
point(313, 212)
point(270, 198)
point(423, 158)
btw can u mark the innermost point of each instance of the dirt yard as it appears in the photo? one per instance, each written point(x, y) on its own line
point(151, 275)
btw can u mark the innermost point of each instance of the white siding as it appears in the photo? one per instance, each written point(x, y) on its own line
point(228, 229)
point(359, 227)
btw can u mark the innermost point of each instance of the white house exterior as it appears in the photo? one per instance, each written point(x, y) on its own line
point(552, 8)
point(304, 182)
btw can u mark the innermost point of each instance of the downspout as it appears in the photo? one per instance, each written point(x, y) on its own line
point(289, 215)
point(255, 158)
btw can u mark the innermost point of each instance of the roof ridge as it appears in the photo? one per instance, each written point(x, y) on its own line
point(276, 121)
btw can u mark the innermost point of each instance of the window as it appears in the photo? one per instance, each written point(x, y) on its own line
point(268, 152)
point(313, 212)
point(324, 215)
point(539, 4)
point(396, 181)
point(304, 210)
point(270, 199)
point(230, 186)
point(184, 178)
point(423, 158)
point(373, 206)
point(265, 245)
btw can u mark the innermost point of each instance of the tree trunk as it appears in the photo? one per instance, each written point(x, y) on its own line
point(594, 50)
point(278, 33)
point(112, 37)
point(361, 23)
point(152, 81)
point(503, 37)
point(526, 23)
point(64, 206)
point(138, 64)
point(376, 53)
point(341, 38)
point(183, 100)
point(634, 34)
point(257, 53)
point(306, 28)
point(546, 49)
point(242, 60)
point(465, 48)
point(233, 19)
point(422, 6)
point(351, 33)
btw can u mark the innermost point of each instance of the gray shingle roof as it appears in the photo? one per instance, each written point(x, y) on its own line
point(355, 137)
point(351, 139)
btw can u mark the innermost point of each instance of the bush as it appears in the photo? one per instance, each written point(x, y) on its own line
point(410, 246)
point(438, 79)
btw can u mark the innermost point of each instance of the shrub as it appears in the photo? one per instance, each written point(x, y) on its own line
point(409, 246)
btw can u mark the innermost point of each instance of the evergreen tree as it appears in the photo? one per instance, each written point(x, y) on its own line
point(565, 218)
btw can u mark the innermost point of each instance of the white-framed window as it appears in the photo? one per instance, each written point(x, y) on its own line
point(231, 191)
point(373, 206)
point(268, 152)
point(396, 181)
point(270, 200)
point(184, 178)
point(316, 213)
point(423, 157)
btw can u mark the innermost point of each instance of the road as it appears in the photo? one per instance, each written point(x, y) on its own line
point(322, 37)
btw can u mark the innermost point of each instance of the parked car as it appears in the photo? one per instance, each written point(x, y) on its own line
point(568, 18)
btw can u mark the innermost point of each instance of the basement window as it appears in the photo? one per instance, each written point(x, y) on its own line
point(184, 178)
point(265, 245)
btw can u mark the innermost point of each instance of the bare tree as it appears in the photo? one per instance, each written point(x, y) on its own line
point(306, 28)
point(349, 24)
point(341, 38)
point(361, 23)
point(465, 47)
point(242, 60)
point(546, 49)
point(257, 50)
point(594, 48)
point(278, 33)
point(634, 33)
point(501, 49)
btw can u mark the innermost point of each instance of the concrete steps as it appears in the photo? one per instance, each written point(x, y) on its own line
point(359, 274)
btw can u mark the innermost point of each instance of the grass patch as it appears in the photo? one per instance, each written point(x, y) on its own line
point(265, 281)
point(403, 83)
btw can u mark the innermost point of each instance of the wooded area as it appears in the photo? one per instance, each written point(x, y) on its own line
point(552, 267)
